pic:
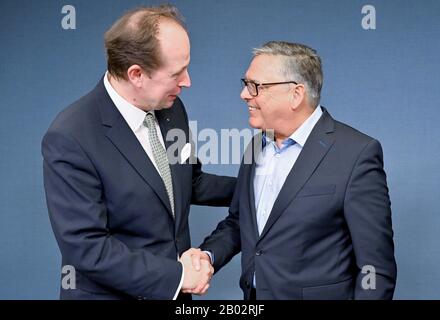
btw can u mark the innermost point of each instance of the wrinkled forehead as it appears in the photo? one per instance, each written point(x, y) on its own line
point(264, 67)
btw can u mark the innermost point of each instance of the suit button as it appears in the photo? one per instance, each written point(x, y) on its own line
point(259, 252)
point(247, 284)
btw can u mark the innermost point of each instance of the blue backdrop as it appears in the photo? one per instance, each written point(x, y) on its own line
point(385, 82)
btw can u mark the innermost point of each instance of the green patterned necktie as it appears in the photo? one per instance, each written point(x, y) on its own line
point(160, 157)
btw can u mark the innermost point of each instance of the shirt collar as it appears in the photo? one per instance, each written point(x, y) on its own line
point(132, 114)
point(301, 134)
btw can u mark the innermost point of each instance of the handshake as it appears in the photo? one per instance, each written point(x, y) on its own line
point(198, 271)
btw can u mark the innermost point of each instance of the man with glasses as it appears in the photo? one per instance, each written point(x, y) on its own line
point(311, 212)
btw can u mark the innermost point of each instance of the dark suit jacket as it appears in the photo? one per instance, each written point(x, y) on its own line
point(108, 205)
point(331, 218)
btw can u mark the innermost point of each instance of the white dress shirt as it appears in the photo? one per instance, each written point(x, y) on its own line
point(135, 118)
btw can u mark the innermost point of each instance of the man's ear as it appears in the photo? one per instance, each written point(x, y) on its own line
point(135, 75)
point(298, 95)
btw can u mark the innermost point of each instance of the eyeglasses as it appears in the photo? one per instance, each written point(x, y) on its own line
point(252, 87)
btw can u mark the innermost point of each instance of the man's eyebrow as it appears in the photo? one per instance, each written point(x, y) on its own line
point(250, 80)
point(183, 68)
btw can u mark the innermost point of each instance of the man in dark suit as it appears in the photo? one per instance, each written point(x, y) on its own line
point(311, 212)
point(118, 203)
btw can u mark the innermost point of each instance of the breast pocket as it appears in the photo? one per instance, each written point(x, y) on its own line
point(317, 190)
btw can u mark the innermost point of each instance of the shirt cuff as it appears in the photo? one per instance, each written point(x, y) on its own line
point(181, 282)
point(211, 256)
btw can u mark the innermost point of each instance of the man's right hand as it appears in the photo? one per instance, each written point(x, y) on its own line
point(198, 271)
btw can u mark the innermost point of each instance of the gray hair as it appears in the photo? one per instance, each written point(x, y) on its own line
point(300, 62)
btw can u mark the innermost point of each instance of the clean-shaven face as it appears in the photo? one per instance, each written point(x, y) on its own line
point(165, 84)
point(269, 109)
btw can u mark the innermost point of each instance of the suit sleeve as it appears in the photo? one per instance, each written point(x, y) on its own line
point(367, 211)
point(208, 189)
point(225, 241)
point(78, 216)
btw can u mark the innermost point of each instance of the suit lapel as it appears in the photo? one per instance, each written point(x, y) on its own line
point(166, 123)
point(316, 147)
point(256, 150)
point(120, 134)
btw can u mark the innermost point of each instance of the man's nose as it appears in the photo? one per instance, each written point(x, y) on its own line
point(244, 95)
point(186, 80)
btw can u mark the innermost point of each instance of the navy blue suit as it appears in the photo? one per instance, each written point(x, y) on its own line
point(331, 218)
point(108, 204)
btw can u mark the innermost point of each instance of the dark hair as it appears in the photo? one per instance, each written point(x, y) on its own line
point(132, 39)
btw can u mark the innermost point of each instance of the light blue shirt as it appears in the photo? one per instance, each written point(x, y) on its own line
point(274, 164)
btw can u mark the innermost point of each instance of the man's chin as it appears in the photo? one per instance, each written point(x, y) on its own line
point(254, 124)
point(170, 101)
point(165, 105)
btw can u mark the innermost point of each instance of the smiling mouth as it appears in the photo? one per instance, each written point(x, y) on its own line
point(251, 108)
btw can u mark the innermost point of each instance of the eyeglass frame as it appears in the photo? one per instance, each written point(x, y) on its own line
point(256, 84)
